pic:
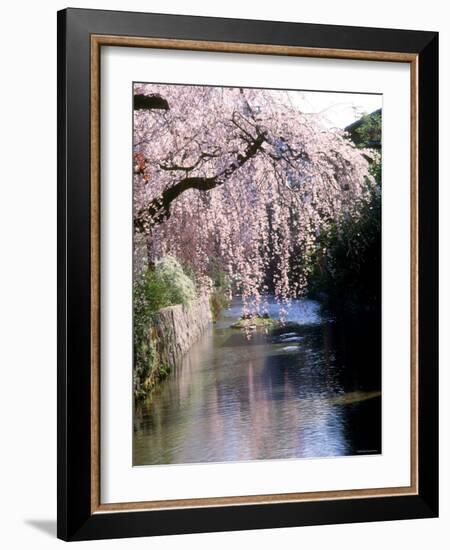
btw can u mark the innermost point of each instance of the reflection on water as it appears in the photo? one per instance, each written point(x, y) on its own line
point(308, 391)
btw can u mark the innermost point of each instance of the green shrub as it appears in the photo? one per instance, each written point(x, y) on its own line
point(221, 289)
point(164, 285)
point(178, 288)
point(218, 300)
point(346, 266)
point(347, 263)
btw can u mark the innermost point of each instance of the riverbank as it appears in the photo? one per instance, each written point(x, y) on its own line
point(170, 334)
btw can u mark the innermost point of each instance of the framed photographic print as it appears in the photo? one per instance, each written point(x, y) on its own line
point(247, 252)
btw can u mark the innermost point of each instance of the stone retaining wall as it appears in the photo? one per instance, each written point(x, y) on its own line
point(178, 327)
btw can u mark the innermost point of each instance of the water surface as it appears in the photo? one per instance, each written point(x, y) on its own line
point(309, 390)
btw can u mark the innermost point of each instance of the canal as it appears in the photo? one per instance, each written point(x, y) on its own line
point(309, 389)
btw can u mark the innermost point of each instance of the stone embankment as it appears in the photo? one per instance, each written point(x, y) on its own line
point(173, 331)
point(178, 327)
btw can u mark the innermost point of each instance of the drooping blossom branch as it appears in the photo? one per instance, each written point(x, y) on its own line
point(241, 178)
point(159, 208)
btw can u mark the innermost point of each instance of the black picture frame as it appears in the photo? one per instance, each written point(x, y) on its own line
point(76, 521)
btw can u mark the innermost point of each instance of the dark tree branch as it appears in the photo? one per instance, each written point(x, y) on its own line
point(176, 167)
point(149, 102)
point(245, 135)
point(159, 209)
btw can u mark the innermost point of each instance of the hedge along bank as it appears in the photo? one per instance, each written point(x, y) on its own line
point(171, 333)
point(169, 316)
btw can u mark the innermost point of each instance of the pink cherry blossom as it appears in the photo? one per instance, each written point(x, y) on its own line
point(243, 177)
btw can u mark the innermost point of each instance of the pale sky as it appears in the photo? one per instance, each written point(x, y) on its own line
point(338, 109)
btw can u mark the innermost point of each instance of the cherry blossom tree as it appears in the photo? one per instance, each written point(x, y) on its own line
point(241, 177)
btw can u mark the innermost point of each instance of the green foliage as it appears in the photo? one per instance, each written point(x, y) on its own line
point(167, 285)
point(347, 262)
point(218, 300)
point(367, 135)
point(164, 285)
point(368, 132)
point(219, 278)
point(375, 168)
point(221, 290)
point(146, 362)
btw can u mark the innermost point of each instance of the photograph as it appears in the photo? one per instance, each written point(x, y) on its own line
point(224, 277)
point(257, 222)
point(247, 272)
